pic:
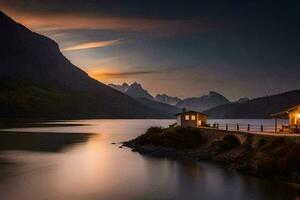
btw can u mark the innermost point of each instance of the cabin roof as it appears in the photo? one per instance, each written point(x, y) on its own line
point(190, 112)
point(284, 114)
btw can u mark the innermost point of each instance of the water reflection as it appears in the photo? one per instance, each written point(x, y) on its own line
point(94, 169)
point(52, 142)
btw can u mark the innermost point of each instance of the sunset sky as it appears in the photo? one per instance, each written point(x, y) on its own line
point(182, 48)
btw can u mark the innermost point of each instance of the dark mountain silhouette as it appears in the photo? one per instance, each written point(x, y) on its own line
point(30, 56)
point(242, 100)
point(36, 80)
point(202, 103)
point(257, 108)
point(167, 110)
point(163, 98)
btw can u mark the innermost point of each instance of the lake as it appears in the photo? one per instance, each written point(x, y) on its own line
point(95, 169)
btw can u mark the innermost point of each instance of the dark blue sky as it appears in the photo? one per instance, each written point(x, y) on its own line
point(182, 48)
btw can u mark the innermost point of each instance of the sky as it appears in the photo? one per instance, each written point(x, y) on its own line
point(181, 48)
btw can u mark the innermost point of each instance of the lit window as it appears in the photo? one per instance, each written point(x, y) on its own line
point(200, 123)
point(187, 117)
point(193, 117)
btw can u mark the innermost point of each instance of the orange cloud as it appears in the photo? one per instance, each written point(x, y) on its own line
point(123, 74)
point(108, 72)
point(92, 45)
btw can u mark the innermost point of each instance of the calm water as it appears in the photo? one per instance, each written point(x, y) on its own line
point(97, 170)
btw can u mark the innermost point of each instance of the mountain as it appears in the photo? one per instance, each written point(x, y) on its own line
point(135, 90)
point(168, 111)
point(36, 80)
point(163, 98)
point(202, 103)
point(257, 108)
point(121, 88)
point(242, 100)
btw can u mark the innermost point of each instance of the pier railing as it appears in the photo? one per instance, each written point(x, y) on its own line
point(246, 127)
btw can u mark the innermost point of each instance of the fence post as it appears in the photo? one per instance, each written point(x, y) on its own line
point(248, 128)
point(262, 128)
point(237, 127)
point(226, 127)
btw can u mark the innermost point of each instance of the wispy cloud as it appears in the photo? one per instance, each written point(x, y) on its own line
point(92, 45)
point(108, 74)
point(100, 75)
point(73, 21)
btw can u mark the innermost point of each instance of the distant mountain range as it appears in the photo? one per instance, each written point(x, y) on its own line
point(167, 99)
point(257, 108)
point(215, 104)
point(171, 105)
point(134, 90)
point(137, 92)
point(202, 103)
point(36, 80)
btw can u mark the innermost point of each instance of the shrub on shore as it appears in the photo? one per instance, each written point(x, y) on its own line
point(227, 143)
point(174, 137)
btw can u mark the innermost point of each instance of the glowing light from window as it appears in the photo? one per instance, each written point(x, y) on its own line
point(187, 117)
point(200, 122)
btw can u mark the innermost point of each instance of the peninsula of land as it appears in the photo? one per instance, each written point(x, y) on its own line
point(269, 156)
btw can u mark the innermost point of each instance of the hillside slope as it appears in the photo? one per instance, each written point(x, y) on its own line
point(257, 108)
point(36, 80)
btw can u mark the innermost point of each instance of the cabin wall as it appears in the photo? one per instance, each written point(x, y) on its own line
point(193, 120)
point(190, 122)
point(294, 116)
point(201, 118)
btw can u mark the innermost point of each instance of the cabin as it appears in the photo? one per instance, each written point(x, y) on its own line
point(293, 114)
point(191, 119)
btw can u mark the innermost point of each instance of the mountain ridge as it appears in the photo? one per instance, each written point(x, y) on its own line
point(204, 102)
point(136, 90)
point(164, 98)
point(261, 107)
point(32, 50)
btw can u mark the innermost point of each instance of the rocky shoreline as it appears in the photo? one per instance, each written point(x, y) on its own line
point(271, 157)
